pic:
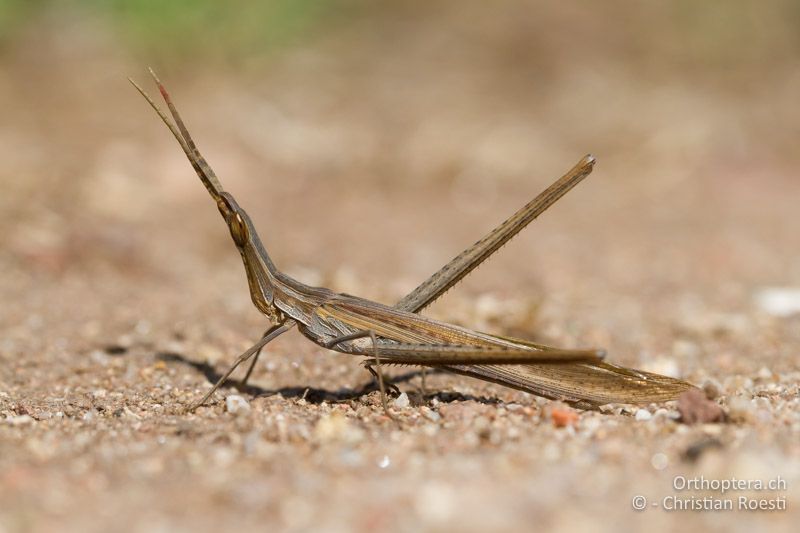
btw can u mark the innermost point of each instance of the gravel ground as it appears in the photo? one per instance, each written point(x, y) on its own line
point(123, 299)
point(97, 369)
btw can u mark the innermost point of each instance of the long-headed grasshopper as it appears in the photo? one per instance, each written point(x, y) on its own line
point(399, 334)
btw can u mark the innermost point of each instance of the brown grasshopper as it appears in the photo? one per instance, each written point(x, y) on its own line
point(399, 334)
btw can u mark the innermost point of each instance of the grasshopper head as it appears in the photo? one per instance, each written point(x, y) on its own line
point(257, 264)
point(259, 267)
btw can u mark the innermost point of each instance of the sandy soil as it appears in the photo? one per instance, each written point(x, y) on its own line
point(123, 298)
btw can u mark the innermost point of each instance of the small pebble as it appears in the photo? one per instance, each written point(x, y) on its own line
point(661, 414)
point(563, 416)
point(235, 404)
point(335, 427)
point(712, 389)
point(695, 408)
point(741, 409)
point(430, 414)
point(643, 414)
point(402, 401)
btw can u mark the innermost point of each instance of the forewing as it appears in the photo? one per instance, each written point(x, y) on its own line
point(583, 384)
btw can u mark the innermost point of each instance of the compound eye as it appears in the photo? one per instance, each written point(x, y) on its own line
point(238, 229)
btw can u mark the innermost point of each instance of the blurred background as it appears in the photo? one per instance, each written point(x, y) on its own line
point(372, 141)
point(416, 117)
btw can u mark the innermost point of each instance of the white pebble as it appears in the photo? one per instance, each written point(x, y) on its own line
point(402, 401)
point(236, 404)
point(336, 427)
point(433, 416)
point(643, 414)
point(779, 301)
point(740, 409)
point(20, 420)
point(661, 414)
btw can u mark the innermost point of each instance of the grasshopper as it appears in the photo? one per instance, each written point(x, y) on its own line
point(399, 334)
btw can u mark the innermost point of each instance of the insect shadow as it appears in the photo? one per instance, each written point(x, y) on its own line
point(318, 395)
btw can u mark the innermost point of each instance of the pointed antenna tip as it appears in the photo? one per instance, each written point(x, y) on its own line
point(138, 88)
point(589, 159)
point(160, 85)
